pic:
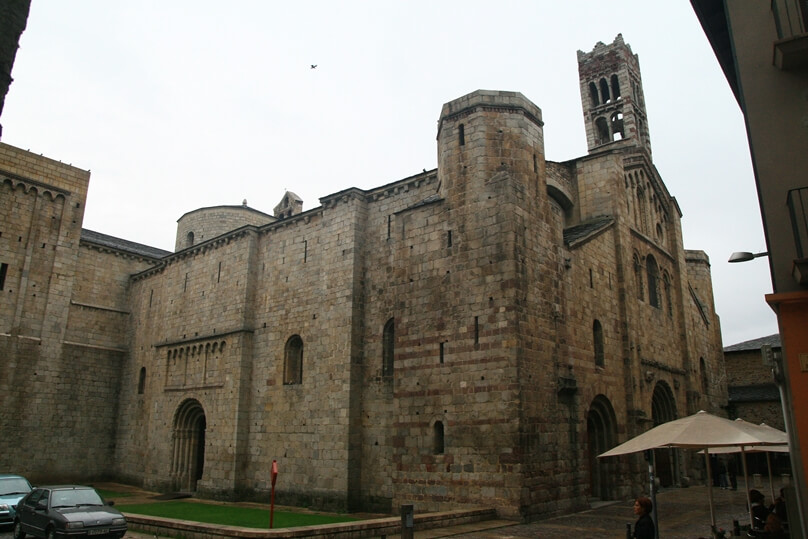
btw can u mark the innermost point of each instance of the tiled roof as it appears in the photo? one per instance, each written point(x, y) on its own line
point(753, 393)
point(122, 245)
point(578, 233)
point(755, 344)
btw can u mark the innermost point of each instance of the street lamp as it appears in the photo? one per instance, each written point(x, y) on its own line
point(743, 256)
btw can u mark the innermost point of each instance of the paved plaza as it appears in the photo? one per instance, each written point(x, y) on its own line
point(683, 513)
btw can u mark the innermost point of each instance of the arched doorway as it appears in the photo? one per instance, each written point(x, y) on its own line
point(663, 409)
point(188, 456)
point(601, 431)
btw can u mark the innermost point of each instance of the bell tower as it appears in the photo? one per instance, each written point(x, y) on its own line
point(612, 97)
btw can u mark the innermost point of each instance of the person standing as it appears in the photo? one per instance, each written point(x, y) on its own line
point(644, 527)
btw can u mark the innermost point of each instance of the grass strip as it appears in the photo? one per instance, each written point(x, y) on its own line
point(230, 515)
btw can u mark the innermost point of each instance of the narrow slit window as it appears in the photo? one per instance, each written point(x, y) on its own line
point(461, 134)
point(442, 348)
point(3, 272)
point(388, 347)
point(449, 239)
point(705, 381)
point(638, 277)
point(293, 361)
point(476, 330)
point(438, 445)
point(597, 335)
point(652, 271)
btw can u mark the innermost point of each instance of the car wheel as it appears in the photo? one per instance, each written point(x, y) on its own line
point(18, 533)
point(51, 533)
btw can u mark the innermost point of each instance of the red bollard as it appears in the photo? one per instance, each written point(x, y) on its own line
point(272, 492)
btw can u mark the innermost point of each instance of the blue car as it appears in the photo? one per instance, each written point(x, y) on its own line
point(12, 490)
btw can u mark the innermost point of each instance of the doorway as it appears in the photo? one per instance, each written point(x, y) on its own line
point(188, 455)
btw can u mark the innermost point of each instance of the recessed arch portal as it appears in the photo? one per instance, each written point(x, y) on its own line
point(601, 430)
point(188, 455)
point(663, 409)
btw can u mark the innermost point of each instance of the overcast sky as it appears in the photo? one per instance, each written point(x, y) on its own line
point(181, 104)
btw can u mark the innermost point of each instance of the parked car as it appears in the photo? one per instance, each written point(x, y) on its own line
point(12, 489)
point(67, 511)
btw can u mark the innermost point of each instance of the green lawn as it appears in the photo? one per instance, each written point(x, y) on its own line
point(229, 515)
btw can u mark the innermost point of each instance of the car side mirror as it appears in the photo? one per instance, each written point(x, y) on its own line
point(41, 505)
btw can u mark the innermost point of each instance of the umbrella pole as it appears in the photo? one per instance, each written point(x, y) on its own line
point(709, 485)
point(771, 481)
point(652, 492)
point(746, 482)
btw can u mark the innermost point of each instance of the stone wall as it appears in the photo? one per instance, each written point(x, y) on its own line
point(754, 395)
point(476, 334)
point(56, 393)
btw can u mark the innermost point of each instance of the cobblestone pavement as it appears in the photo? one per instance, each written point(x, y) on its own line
point(683, 513)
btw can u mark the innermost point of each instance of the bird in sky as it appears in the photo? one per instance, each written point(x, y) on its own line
point(314, 66)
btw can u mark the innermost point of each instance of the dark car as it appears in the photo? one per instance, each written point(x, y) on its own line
point(12, 489)
point(67, 511)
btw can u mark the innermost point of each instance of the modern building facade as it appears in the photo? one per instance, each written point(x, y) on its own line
point(763, 50)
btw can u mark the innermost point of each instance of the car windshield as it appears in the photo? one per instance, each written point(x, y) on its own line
point(14, 485)
point(75, 497)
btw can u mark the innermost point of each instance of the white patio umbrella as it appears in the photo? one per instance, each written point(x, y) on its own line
point(768, 449)
point(698, 431)
point(772, 436)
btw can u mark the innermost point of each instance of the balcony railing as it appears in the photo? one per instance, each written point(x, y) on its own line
point(790, 17)
point(797, 202)
point(791, 22)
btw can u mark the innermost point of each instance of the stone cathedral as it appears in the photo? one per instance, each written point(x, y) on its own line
point(471, 335)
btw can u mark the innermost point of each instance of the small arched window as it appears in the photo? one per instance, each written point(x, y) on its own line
point(189, 239)
point(293, 361)
point(652, 271)
point(438, 446)
point(388, 347)
point(593, 94)
point(597, 337)
point(141, 382)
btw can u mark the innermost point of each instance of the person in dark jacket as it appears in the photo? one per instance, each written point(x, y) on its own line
point(644, 527)
point(759, 510)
